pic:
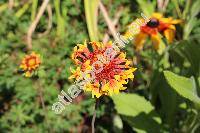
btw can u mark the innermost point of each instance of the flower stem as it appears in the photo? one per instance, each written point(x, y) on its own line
point(94, 115)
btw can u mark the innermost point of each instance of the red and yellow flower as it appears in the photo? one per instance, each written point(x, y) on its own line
point(30, 63)
point(112, 76)
point(157, 24)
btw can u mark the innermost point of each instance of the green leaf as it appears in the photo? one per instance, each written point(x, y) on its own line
point(165, 97)
point(118, 124)
point(60, 19)
point(187, 8)
point(143, 123)
point(3, 7)
point(185, 48)
point(22, 10)
point(91, 8)
point(183, 86)
point(131, 104)
point(34, 9)
point(147, 7)
point(192, 20)
point(195, 8)
point(178, 10)
point(138, 112)
point(189, 27)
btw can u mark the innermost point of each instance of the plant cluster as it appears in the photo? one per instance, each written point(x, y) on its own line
point(38, 49)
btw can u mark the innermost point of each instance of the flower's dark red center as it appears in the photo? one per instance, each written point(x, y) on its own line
point(153, 23)
point(107, 73)
point(110, 70)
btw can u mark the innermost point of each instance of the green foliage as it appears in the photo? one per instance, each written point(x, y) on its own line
point(131, 108)
point(185, 49)
point(184, 86)
point(60, 19)
point(147, 6)
point(157, 100)
point(192, 22)
point(139, 115)
point(91, 9)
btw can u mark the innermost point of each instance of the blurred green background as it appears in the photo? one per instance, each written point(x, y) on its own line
point(154, 102)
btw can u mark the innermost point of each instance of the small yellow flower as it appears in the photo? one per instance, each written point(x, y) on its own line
point(30, 63)
point(108, 76)
point(157, 24)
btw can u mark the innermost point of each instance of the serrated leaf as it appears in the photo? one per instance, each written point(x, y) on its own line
point(183, 86)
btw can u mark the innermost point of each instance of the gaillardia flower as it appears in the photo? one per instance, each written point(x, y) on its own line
point(30, 63)
point(156, 25)
point(104, 69)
